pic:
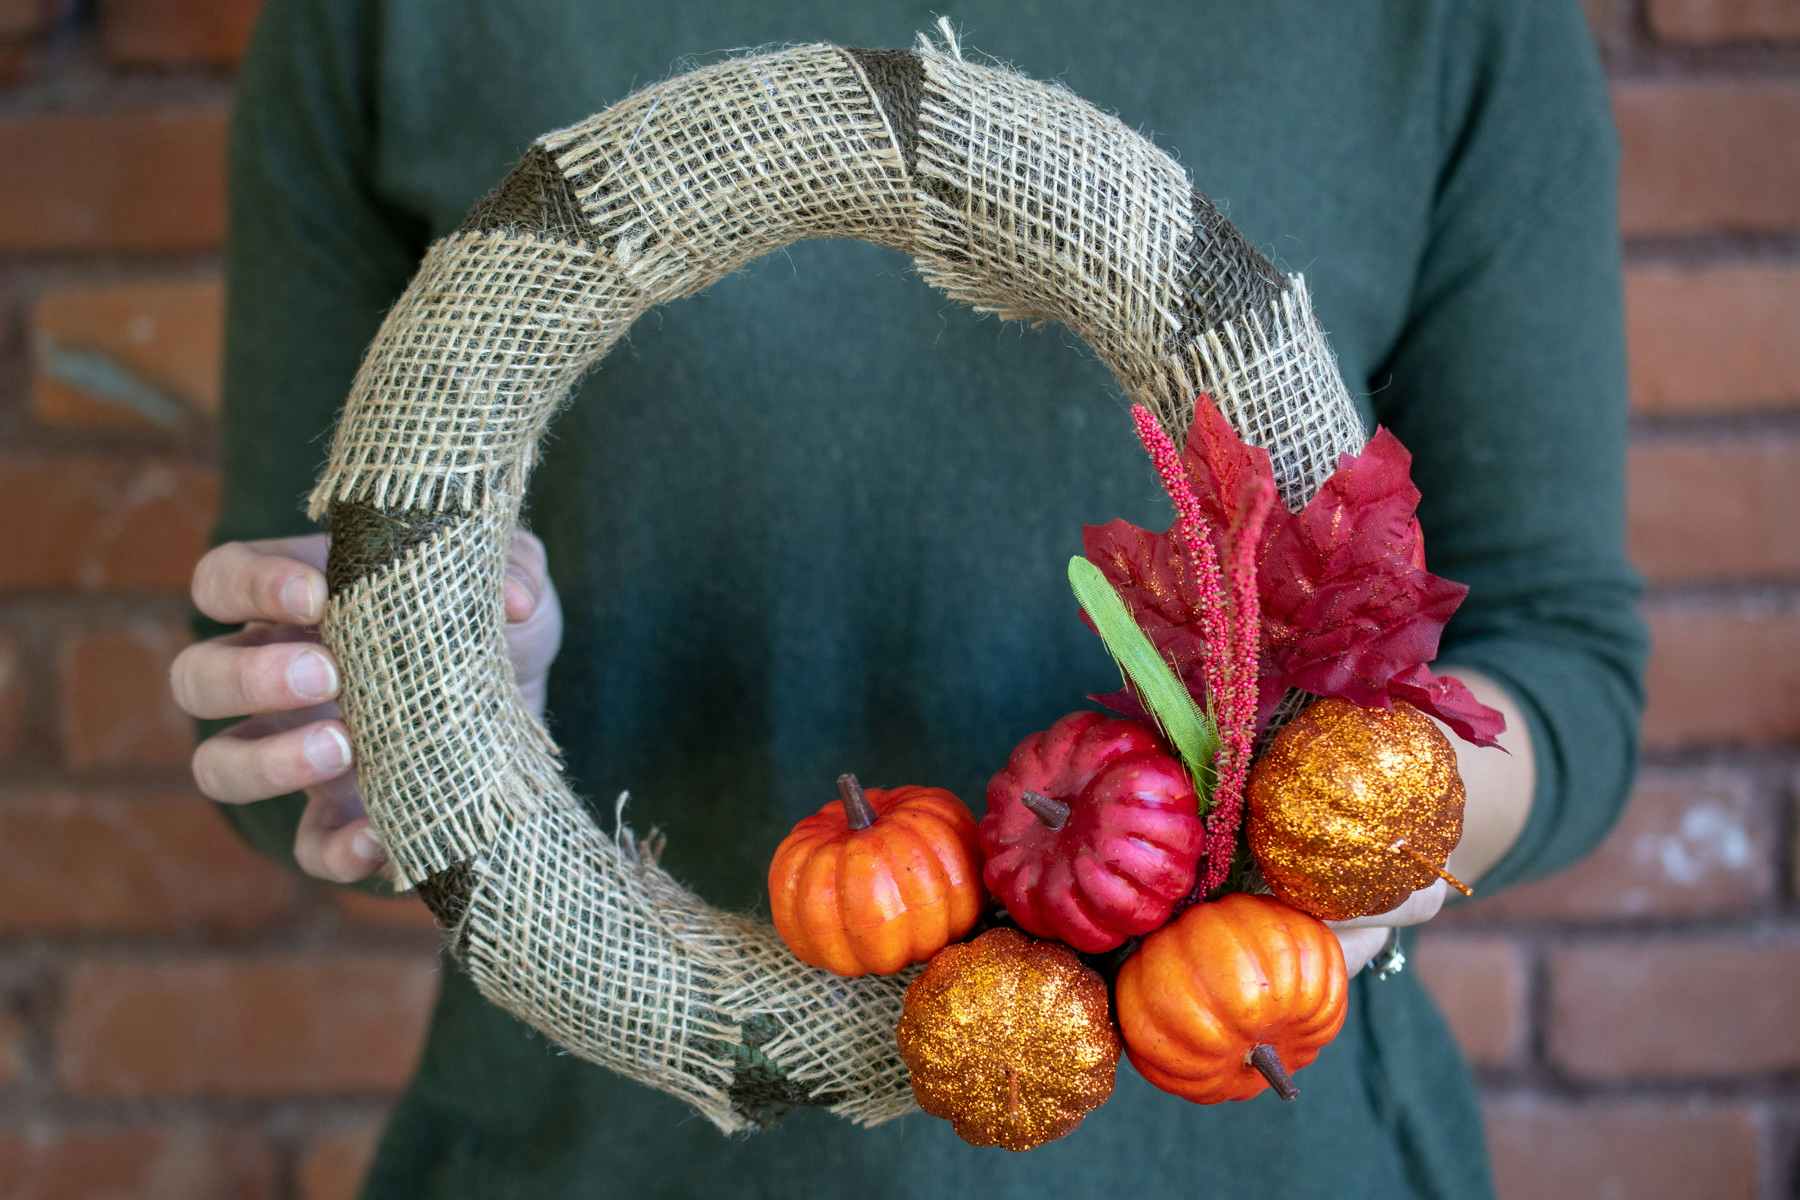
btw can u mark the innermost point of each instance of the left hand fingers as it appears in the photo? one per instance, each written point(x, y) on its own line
point(1363, 937)
point(1361, 945)
point(1416, 909)
point(334, 841)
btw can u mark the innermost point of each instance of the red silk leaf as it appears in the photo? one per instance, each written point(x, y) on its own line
point(1344, 608)
point(1153, 578)
point(1348, 608)
point(1125, 703)
point(1225, 471)
point(1450, 701)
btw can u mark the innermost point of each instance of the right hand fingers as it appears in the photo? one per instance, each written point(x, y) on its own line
point(280, 580)
point(334, 840)
point(259, 759)
point(225, 677)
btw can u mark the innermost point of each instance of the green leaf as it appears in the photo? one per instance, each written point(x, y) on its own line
point(1192, 733)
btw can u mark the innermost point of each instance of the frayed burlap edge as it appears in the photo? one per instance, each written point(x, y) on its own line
point(1014, 196)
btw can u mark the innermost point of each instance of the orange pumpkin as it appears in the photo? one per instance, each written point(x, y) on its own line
point(1227, 999)
point(877, 880)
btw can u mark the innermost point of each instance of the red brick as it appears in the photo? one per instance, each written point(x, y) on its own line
point(1709, 22)
point(116, 709)
point(335, 1162)
point(1711, 509)
point(1713, 338)
point(1607, 19)
point(1676, 1008)
point(13, 1057)
point(12, 698)
point(15, 58)
point(155, 863)
point(1707, 156)
point(21, 18)
point(21, 22)
point(269, 1028)
point(1480, 983)
point(1686, 846)
point(1610, 1151)
point(385, 912)
point(177, 31)
point(169, 1162)
point(101, 524)
point(1722, 678)
point(131, 355)
point(150, 181)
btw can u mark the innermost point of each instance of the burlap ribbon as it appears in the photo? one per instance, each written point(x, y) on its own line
point(1013, 196)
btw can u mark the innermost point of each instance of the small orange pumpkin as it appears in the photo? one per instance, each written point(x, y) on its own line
point(1228, 998)
point(877, 880)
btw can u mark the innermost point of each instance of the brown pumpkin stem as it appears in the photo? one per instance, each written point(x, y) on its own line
point(1440, 872)
point(1268, 1065)
point(857, 809)
point(1052, 812)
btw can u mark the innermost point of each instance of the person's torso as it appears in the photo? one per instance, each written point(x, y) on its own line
point(817, 519)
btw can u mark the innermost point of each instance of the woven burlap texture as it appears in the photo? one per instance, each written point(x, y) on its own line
point(1024, 201)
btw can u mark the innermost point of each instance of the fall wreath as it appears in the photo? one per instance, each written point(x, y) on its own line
point(1293, 568)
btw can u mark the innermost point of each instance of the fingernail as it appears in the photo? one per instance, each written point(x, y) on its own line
point(304, 597)
point(312, 677)
point(366, 846)
point(327, 749)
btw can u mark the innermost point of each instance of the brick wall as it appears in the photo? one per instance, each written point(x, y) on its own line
point(178, 1018)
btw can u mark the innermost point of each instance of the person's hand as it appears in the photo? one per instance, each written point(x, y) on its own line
point(275, 673)
point(1363, 938)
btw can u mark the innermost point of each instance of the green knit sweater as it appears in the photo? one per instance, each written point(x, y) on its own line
point(815, 519)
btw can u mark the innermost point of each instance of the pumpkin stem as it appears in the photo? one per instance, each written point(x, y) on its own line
point(857, 809)
point(1440, 872)
point(1052, 812)
point(1268, 1065)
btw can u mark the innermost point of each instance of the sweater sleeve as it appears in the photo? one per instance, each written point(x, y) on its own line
point(1508, 383)
point(313, 261)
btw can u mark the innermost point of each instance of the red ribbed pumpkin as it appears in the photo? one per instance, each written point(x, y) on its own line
point(1092, 832)
point(1227, 999)
point(877, 880)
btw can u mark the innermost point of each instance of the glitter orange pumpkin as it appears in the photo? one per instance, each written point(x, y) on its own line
point(877, 880)
point(1352, 809)
point(1009, 1039)
point(1228, 999)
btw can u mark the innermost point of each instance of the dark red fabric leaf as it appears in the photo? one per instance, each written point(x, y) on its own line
point(1344, 608)
point(1154, 580)
point(1450, 701)
point(1348, 608)
point(1225, 471)
point(1124, 702)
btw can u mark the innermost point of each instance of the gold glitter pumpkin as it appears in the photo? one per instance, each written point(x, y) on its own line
point(1352, 809)
point(1009, 1039)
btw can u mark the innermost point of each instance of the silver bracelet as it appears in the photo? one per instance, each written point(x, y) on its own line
point(1390, 960)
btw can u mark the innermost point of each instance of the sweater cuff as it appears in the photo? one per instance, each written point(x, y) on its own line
point(1583, 722)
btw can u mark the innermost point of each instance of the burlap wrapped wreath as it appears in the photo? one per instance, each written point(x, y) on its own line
point(1011, 195)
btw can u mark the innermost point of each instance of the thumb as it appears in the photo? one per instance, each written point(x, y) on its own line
point(1361, 945)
